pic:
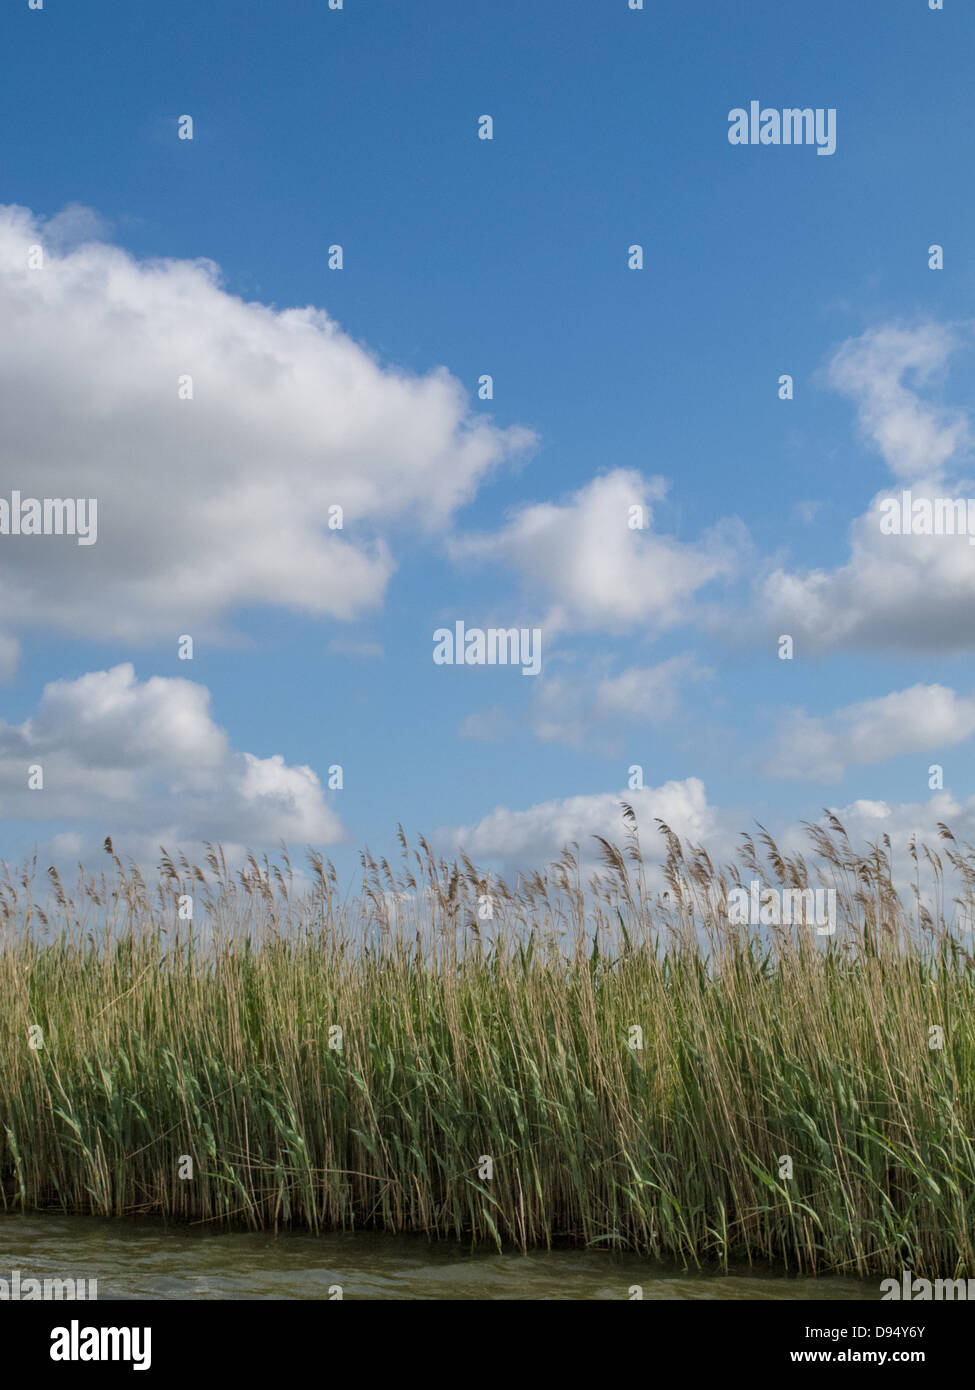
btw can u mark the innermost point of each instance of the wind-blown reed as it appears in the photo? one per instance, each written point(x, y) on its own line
point(506, 1036)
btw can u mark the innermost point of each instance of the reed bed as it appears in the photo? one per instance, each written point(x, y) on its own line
point(192, 1069)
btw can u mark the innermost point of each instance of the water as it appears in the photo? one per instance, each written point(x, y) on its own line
point(147, 1260)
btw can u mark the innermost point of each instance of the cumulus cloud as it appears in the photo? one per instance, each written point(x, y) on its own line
point(915, 438)
point(569, 707)
point(524, 840)
point(912, 592)
point(209, 504)
point(924, 718)
point(580, 702)
point(582, 557)
point(146, 759)
point(534, 836)
point(867, 822)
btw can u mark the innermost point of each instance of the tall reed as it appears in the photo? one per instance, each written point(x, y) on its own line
point(192, 1069)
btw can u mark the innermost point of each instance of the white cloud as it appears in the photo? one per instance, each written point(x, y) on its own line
point(903, 592)
point(910, 592)
point(923, 718)
point(598, 574)
point(569, 706)
point(146, 759)
point(526, 840)
point(916, 439)
point(534, 836)
point(222, 501)
point(867, 822)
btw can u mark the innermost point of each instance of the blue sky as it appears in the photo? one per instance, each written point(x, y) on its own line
point(465, 256)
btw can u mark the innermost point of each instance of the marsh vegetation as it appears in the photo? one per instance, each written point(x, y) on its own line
point(635, 1068)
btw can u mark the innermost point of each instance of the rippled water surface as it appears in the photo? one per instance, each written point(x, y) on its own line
point(149, 1260)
